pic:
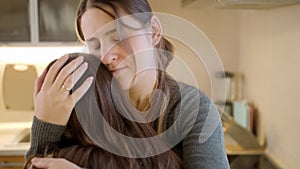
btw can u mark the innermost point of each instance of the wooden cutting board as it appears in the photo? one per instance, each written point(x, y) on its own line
point(18, 86)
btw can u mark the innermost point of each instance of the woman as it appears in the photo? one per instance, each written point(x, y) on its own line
point(133, 50)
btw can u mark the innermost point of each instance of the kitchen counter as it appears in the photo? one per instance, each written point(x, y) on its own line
point(237, 140)
point(10, 134)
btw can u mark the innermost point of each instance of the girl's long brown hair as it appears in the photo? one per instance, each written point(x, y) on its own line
point(78, 148)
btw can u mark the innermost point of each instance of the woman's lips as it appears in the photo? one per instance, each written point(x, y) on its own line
point(114, 71)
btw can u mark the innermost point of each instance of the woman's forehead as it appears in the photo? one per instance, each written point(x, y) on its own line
point(93, 20)
point(96, 22)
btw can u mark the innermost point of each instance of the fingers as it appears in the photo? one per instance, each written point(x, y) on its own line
point(53, 71)
point(57, 74)
point(53, 163)
point(39, 82)
point(66, 71)
point(42, 162)
point(75, 76)
point(82, 90)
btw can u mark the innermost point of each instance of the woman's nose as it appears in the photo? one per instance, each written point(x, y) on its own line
point(109, 58)
point(108, 53)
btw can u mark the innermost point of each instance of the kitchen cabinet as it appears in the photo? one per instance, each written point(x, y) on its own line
point(14, 22)
point(37, 21)
point(56, 20)
point(12, 162)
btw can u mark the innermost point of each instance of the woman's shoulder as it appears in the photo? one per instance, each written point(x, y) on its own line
point(190, 112)
point(187, 92)
point(190, 104)
point(194, 111)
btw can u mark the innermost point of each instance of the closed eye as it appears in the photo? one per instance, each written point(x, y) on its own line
point(93, 44)
point(116, 38)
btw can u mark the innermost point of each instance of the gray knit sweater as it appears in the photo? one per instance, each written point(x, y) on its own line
point(191, 115)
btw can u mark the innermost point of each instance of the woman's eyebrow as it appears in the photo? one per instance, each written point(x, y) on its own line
point(91, 39)
point(110, 31)
point(106, 33)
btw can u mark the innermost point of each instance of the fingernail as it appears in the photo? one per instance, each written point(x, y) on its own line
point(65, 57)
point(35, 160)
point(90, 79)
point(80, 57)
point(85, 64)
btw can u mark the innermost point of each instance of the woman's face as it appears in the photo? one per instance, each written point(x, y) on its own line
point(128, 59)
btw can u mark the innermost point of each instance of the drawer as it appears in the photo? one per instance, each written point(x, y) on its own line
point(12, 162)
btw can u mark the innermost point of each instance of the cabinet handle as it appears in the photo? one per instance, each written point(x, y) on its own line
point(5, 164)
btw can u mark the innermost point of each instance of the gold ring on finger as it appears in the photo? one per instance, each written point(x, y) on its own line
point(65, 87)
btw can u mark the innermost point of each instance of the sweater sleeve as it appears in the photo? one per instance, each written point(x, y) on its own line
point(42, 134)
point(203, 146)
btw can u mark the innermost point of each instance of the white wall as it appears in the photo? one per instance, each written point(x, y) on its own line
point(264, 45)
point(221, 28)
point(269, 56)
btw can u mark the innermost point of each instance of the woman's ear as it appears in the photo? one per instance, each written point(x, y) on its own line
point(156, 30)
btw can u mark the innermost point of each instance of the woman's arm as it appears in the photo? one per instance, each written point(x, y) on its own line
point(207, 155)
point(203, 147)
point(53, 102)
point(42, 134)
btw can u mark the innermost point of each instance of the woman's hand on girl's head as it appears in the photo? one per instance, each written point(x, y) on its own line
point(52, 98)
point(53, 163)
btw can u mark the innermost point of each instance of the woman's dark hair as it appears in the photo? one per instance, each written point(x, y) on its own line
point(77, 147)
point(130, 7)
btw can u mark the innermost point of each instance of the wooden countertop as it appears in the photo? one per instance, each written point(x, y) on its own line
point(8, 138)
point(11, 132)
